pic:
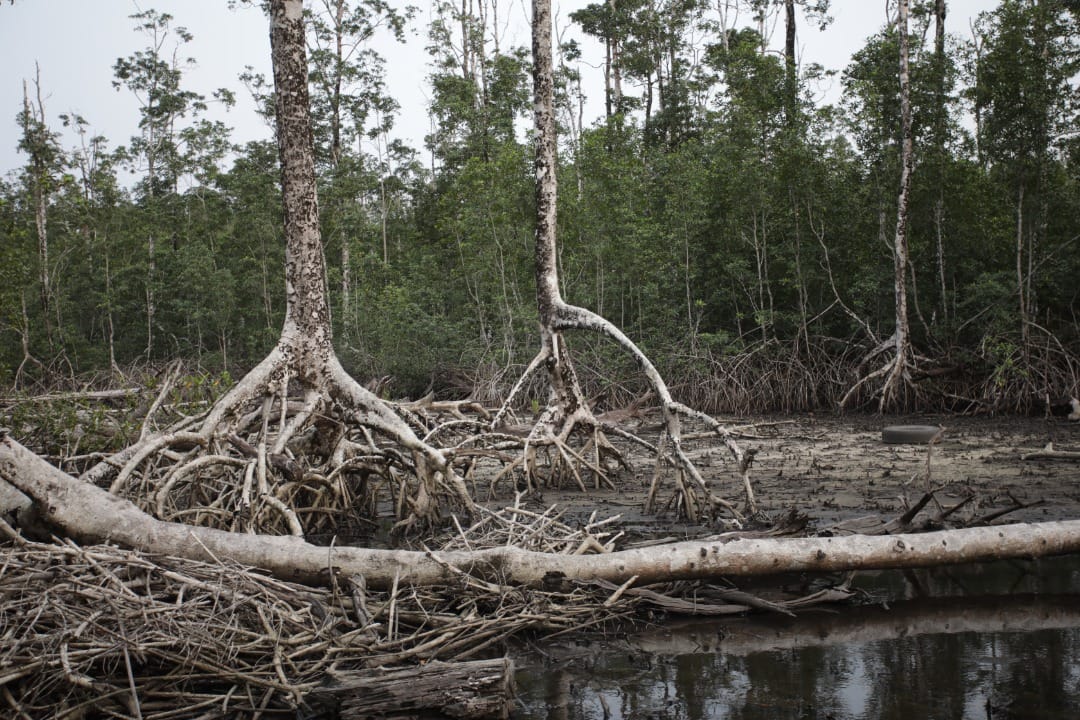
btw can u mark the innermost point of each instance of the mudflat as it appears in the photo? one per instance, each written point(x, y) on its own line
point(838, 472)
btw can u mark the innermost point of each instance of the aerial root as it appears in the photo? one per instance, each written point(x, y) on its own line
point(552, 434)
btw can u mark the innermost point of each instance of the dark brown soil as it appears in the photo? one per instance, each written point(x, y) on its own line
point(836, 470)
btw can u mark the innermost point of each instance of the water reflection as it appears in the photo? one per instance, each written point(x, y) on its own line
point(940, 644)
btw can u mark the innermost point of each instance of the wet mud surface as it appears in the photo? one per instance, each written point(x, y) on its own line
point(994, 640)
point(978, 642)
point(837, 470)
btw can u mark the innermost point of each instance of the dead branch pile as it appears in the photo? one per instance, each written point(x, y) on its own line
point(133, 635)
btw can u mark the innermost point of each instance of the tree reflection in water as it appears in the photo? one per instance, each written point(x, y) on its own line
point(983, 642)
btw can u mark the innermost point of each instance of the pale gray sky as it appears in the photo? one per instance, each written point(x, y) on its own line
point(76, 43)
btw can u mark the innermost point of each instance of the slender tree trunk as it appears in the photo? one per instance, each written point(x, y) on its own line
point(616, 63)
point(790, 70)
point(37, 140)
point(608, 95)
point(384, 206)
point(1021, 280)
point(335, 144)
point(939, 133)
point(335, 94)
point(466, 43)
point(109, 328)
point(897, 378)
point(151, 250)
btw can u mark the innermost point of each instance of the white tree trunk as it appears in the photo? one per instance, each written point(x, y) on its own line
point(899, 375)
point(898, 386)
point(90, 514)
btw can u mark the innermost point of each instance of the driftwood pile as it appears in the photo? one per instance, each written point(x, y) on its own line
point(126, 634)
point(131, 635)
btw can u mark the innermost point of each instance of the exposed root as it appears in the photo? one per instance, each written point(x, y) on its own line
point(293, 447)
point(552, 434)
point(568, 415)
point(899, 389)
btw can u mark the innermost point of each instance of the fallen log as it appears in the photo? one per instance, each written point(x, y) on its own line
point(89, 514)
point(470, 690)
point(1049, 453)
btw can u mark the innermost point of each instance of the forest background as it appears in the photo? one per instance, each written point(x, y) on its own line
point(738, 228)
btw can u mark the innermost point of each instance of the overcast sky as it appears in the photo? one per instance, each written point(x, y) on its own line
point(76, 43)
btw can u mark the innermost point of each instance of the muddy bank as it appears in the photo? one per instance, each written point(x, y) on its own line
point(837, 470)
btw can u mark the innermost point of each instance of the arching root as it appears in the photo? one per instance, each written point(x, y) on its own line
point(567, 413)
point(289, 449)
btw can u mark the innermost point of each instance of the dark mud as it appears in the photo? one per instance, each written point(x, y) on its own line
point(983, 641)
point(838, 470)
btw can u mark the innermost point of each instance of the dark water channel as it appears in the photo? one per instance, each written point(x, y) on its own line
point(990, 641)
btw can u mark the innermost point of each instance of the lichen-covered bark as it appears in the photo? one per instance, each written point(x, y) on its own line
point(307, 319)
point(567, 398)
point(899, 378)
point(547, 277)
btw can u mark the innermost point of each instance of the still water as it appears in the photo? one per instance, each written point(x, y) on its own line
point(984, 642)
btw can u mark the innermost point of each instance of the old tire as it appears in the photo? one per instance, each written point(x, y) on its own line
point(910, 434)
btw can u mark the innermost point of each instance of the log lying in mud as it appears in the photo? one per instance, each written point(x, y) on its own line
point(1049, 453)
point(475, 689)
point(90, 514)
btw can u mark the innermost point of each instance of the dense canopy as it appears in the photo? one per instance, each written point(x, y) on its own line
point(737, 229)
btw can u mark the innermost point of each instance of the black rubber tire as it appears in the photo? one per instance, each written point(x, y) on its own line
point(909, 434)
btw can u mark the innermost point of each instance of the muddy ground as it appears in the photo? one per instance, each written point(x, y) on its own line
point(839, 473)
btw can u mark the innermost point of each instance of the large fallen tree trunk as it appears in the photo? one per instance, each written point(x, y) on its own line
point(90, 514)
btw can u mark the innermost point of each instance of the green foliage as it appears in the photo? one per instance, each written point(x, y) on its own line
point(725, 227)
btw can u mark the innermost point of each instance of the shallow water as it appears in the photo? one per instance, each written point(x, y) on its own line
point(999, 640)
